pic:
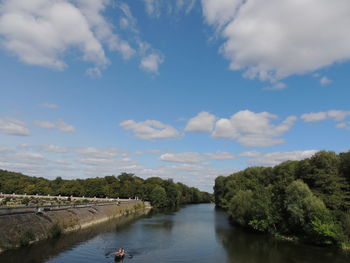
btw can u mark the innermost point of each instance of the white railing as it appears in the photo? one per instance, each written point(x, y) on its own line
point(14, 195)
point(45, 208)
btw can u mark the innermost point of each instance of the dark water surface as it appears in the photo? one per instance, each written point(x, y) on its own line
point(195, 233)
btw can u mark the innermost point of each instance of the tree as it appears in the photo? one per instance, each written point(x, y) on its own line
point(241, 207)
point(158, 197)
point(309, 198)
point(344, 168)
point(309, 214)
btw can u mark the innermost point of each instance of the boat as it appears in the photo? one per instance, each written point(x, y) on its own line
point(119, 256)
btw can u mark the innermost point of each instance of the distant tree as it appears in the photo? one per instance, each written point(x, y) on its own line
point(158, 197)
point(124, 186)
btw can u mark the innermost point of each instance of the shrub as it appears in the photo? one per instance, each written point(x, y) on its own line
point(55, 231)
point(26, 238)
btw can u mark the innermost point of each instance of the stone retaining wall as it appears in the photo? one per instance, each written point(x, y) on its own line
point(21, 229)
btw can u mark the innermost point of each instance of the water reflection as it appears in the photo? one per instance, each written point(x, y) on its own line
point(247, 247)
point(196, 233)
point(47, 249)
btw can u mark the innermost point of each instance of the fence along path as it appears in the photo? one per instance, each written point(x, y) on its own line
point(43, 208)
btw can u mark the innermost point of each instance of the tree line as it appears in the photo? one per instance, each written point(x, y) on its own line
point(307, 200)
point(161, 193)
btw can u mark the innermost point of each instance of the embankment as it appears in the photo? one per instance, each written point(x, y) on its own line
point(21, 229)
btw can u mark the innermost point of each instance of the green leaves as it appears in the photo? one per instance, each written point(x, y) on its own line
point(162, 193)
point(158, 197)
point(308, 198)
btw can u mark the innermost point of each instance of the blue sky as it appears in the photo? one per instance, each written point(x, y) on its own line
point(183, 89)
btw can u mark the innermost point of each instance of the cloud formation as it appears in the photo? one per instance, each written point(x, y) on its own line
point(203, 122)
point(221, 156)
point(184, 157)
point(54, 148)
point(274, 158)
point(150, 129)
point(325, 81)
point(273, 39)
point(38, 33)
point(151, 62)
point(42, 32)
point(155, 8)
point(13, 126)
point(252, 129)
point(99, 153)
point(336, 115)
point(58, 125)
point(49, 105)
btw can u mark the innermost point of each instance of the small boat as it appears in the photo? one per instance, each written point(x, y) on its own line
point(119, 256)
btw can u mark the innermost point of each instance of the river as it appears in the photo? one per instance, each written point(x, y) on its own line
point(195, 233)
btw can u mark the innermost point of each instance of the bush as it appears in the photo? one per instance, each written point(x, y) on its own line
point(55, 231)
point(25, 201)
point(26, 238)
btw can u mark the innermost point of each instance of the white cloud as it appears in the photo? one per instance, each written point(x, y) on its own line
point(49, 105)
point(220, 156)
point(151, 62)
point(274, 39)
point(154, 151)
point(155, 8)
point(194, 157)
point(94, 161)
point(106, 163)
point(203, 122)
point(337, 115)
point(100, 153)
point(28, 157)
point(274, 158)
point(186, 5)
point(152, 7)
point(252, 129)
point(219, 12)
point(187, 173)
point(59, 125)
point(250, 154)
point(277, 86)
point(54, 148)
point(151, 58)
point(325, 81)
point(38, 33)
point(13, 126)
point(93, 10)
point(44, 148)
point(94, 72)
point(344, 125)
point(127, 21)
point(41, 32)
point(150, 129)
point(22, 158)
point(5, 149)
point(184, 157)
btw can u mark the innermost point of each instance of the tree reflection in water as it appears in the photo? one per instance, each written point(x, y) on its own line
point(248, 247)
point(44, 250)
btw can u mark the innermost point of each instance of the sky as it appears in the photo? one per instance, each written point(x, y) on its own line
point(181, 89)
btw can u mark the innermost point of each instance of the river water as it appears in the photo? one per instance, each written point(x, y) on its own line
point(195, 233)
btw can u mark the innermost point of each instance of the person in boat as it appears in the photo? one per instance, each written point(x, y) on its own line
point(120, 252)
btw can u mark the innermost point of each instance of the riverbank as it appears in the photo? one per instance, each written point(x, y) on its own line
point(23, 229)
point(343, 246)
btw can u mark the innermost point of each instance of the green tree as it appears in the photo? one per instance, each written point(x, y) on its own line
point(158, 197)
point(310, 215)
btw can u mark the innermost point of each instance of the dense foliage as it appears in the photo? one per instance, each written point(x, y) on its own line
point(308, 199)
point(161, 193)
